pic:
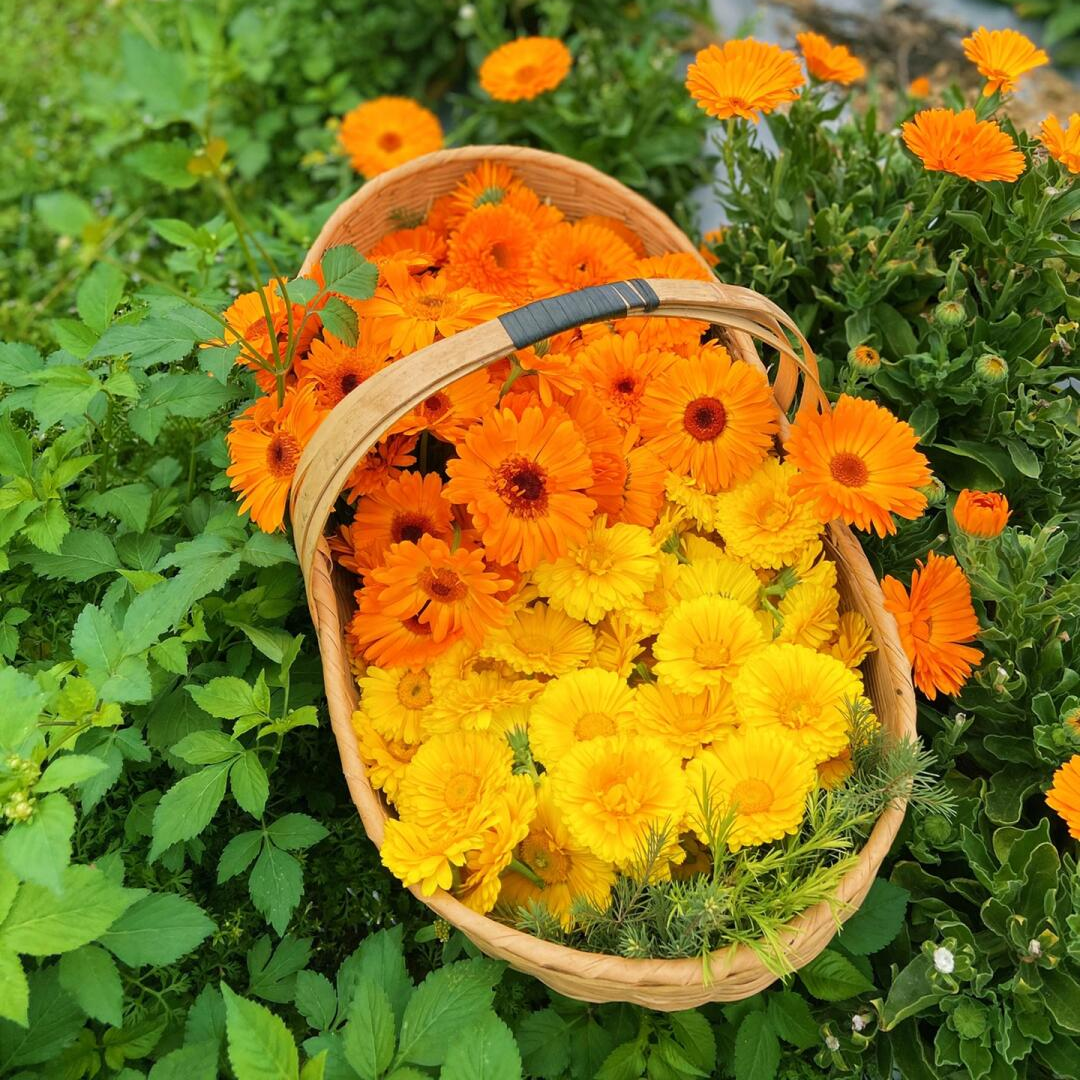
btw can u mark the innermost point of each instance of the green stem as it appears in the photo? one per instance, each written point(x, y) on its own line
point(527, 872)
point(901, 226)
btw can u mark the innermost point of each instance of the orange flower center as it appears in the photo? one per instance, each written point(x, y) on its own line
point(549, 862)
point(415, 626)
point(443, 585)
point(712, 654)
point(414, 690)
point(526, 73)
point(435, 406)
point(522, 485)
point(620, 800)
point(389, 141)
point(461, 791)
point(500, 255)
point(410, 526)
point(686, 722)
point(752, 796)
point(592, 725)
point(426, 307)
point(282, 454)
point(794, 715)
point(849, 469)
point(705, 418)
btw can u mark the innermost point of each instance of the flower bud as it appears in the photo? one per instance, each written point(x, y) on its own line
point(858, 1022)
point(992, 370)
point(981, 514)
point(944, 961)
point(832, 1043)
point(934, 492)
point(950, 314)
point(865, 359)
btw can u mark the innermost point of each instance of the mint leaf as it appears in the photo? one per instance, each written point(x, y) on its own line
point(260, 1046)
point(188, 806)
point(158, 930)
point(39, 850)
point(877, 921)
point(485, 1050)
point(832, 977)
point(89, 975)
point(757, 1049)
point(368, 1038)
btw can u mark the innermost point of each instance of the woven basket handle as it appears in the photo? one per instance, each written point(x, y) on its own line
point(360, 420)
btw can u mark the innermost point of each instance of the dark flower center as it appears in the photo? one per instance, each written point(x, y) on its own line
point(705, 418)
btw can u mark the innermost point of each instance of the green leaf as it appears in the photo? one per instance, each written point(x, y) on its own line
point(276, 885)
point(102, 289)
point(315, 1068)
point(64, 212)
point(164, 162)
point(47, 526)
point(485, 1050)
point(39, 850)
point(1061, 993)
point(130, 504)
point(157, 930)
point(379, 957)
point(83, 555)
point(175, 231)
point(368, 1037)
point(67, 770)
point(65, 391)
point(445, 1002)
point(295, 832)
point(74, 337)
point(1024, 458)
point(832, 977)
point(250, 786)
point(271, 643)
point(757, 1049)
point(187, 807)
point(195, 1062)
point(695, 1037)
point(238, 854)
point(877, 921)
point(16, 457)
point(20, 365)
point(89, 975)
point(625, 1062)
point(260, 1046)
point(972, 223)
point(340, 320)
point(911, 993)
point(14, 989)
point(545, 1048)
point(273, 975)
point(53, 1021)
point(790, 1017)
point(347, 273)
point(207, 748)
point(42, 922)
point(316, 1000)
point(227, 698)
point(219, 360)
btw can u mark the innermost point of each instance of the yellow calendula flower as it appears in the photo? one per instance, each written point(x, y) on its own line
point(718, 576)
point(807, 696)
point(762, 778)
point(809, 615)
point(762, 520)
point(567, 871)
point(697, 548)
point(852, 644)
point(618, 643)
point(612, 792)
point(385, 760)
point(395, 699)
point(513, 811)
point(577, 707)
point(673, 519)
point(451, 775)
point(479, 701)
point(610, 568)
point(541, 640)
point(832, 772)
point(691, 497)
point(705, 642)
point(426, 856)
point(649, 612)
point(685, 722)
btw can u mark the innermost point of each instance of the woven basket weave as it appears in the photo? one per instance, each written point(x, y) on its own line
point(361, 419)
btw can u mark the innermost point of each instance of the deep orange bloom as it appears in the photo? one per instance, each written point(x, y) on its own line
point(920, 87)
point(957, 143)
point(643, 488)
point(981, 513)
point(523, 69)
point(619, 371)
point(265, 443)
point(388, 131)
point(673, 264)
point(491, 251)
point(570, 257)
point(935, 619)
point(410, 312)
point(712, 238)
point(448, 412)
point(828, 62)
point(743, 78)
point(710, 417)
point(336, 369)
point(619, 228)
point(1002, 56)
point(391, 642)
point(523, 481)
point(858, 463)
point(382, 463)
point(491, 184)
point(419, 249)
point(1064, 796)
point(603, 440)
point(1062, 143)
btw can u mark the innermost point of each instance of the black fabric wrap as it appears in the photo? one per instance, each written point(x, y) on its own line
point(541, 319)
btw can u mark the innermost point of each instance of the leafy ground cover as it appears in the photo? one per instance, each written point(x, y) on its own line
point(184, 886)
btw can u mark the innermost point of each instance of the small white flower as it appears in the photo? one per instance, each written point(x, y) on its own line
point(832, 1043)
point(1034, 948)
point(858, 1022)
point(944, 960)
point(467, 12)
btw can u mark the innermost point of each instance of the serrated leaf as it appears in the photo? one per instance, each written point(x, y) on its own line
point(368, 1038)
point(53, 1021)
point(207, 748)
point(89, 975)
point(260, 1046)
point(379, 957)
point(157, 930)
point(74, 337)
point(188, 806)
point(276, 885)
point(485, 1050)
point(16, 457)
point(272, 973)
point(316, 999)
point(238, 854)
point(68, 769)
point(348, 273)
point(545, 1048)
point(340, 320)
point(39, 850)
point(47, 526)
point(249, 783)
point(227, 698)
point(295, 832)
point(14, 989)
point(98, 295)
point(195, 1062)
point(83, 555)
point(877, 921)
point(832, 977)
point(164, 162)
point(130, 504)
point(757, 1050)
point(791, 1019)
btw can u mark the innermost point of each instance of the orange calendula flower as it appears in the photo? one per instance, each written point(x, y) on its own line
point(523, 69)
point(828, 62)
point(673, 264)
point(710, 417)
point(710, 240)
point(570, 257)
point(858, 463)
point(491, 184)
point(419, 249)
point(410, 312)
point(982, 514)
point(491, 251)
point(1064, 796)
point(620, 229)
point(265, 443)
point(958, 143)
point(383, 462)
point(743, 78)
point(1062, 143)
point(619, 370)
point(920, 87)
point(523, 481)
point(935, 619)
point(388, 131)
point(336, 369)
point(1002, 56)
point(447, 413)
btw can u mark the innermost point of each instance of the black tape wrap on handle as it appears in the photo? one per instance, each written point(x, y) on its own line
point(541, 319)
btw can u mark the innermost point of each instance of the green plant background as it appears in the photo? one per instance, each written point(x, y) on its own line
point(185, 890)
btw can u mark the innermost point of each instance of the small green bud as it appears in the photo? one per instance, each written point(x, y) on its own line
point(19, 807)
point(950, 314)
point(992, 370)
point(442, 930)
point(934, 492)
point(937, 829)
point(865, 359)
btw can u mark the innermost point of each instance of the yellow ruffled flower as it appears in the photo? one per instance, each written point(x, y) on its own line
point(685, 722)
point(809, 615)
point(385, 760)
point(612, 792)
point(762, 520)
point(395, 699)
point(423, 856)
point(649, 612)
point(577, 707)
point(567, 870)
point(705, 642)
point(762, 778)
point(806, 695)
point(697, 548)
point(852, 644)
point(541, 640)
point(691, 497)
point(618, 643)
point(834, 771)
point(720, 575)
point(479, 701)
point(610, 568)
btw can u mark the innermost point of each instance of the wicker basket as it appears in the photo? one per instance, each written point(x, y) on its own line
point(357, 423)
